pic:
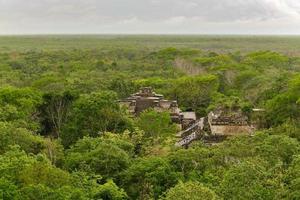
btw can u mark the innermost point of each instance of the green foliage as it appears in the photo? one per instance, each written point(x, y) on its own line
point(29, 142)
point(290, 128)
point(266, 59)
point(148, 178)
point(37, 192)
point(154, 82)
point(171, 53)
point(92, 114)
point(54, 111)
point(13, 162)
point(50, 84)
point(33, 177)
point(190, 191)
point(292, 179)
point(230, 103)
point(284, 106)
point(8, 190)
point(195, 92)
point(19, 106)
point(110, 191)
point(105, 157)
point(156, 125)
point(10, 135)
point(42, 172)
point(248, 180)
point(214, 59)
point(190, 161)
point(122, 86)
point(273, 149)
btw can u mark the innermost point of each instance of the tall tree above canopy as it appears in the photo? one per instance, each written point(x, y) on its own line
point(54, 111)
point(92, 114)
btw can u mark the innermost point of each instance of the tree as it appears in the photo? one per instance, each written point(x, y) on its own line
point(92, 115)
point(12, 162)
point(190, 161)
point(156, 125)
point(292, 179)
point(11, 135)
point(284, 106)
point(195, 92)
point(42, 172)
point(148, 178)
point(34, 177)
point(54, 111)
point(290, 128)
point(190, 191)
point(121, 86)
point(29, 142)
point(278, 147)
point(20, 106)
point(248, 180)
point(266, 59)
point(100, 156)
point(109, 191)
point(8, 190)
point(40, 191)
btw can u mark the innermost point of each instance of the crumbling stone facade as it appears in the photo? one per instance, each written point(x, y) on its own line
point(146, 98)
point(228, 123)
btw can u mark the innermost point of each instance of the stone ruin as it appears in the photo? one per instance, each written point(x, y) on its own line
point(194, 132)
point(217, 126)
point(224, 122)
point(146, 98)
point(212, 129)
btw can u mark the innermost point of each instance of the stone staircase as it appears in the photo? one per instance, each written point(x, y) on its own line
point(194, 132)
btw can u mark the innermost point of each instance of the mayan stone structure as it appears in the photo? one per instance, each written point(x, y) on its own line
point(228, 123)
point(212, 129)
point(146, 98)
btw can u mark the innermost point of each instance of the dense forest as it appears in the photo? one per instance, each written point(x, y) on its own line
point(63, 134)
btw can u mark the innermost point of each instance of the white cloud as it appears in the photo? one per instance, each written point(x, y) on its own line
point(150, 16)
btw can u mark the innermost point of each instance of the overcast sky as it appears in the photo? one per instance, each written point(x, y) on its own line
point(150, 16)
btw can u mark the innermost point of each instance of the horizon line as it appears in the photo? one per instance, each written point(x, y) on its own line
point(148, 34)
